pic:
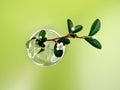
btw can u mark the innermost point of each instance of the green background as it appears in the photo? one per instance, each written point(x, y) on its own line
point(82, 68)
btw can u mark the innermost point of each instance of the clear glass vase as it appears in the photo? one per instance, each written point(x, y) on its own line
point(46, 57)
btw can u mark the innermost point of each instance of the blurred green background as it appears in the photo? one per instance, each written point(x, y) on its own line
point(82, 68)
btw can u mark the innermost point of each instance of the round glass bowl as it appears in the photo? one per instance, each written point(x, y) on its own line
point(46, 57)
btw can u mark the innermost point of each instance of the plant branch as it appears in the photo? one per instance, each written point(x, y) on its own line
point(66, 36)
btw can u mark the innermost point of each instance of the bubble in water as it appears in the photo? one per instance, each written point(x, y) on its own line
point(46, 57)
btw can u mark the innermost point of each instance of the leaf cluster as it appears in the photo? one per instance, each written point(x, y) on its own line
point(73, 29)
point(94, 29)
point(41, 40)
point(72, 32)
point(65, 41)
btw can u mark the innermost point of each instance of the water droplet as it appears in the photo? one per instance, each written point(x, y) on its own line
point(46, 57)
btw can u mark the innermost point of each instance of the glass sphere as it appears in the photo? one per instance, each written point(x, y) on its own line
point(46, 57)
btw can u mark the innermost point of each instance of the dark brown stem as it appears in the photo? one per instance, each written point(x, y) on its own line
point(66, 36)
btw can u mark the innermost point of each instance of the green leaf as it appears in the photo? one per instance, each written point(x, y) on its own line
point(42, 33)
point(70, 25)
point(41, 50)
point(94, 42)
point(58, 53)
point(73, 35)
point(44, 39)
point(95, 27)
point(33, 38)
point(27, 43)
point(41, 43)
point(64, 40)
point(77, 28)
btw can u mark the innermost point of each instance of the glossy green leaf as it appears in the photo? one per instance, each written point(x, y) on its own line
point(73, 35)
point(41, 50)
point(70, 25)
point(94, 42)
point(58, 53)
point(42, 33)
point(77, 28)
point(44, 39)
point(27, 43)
point(95, 27)
point(64, 40)
point(41, 43)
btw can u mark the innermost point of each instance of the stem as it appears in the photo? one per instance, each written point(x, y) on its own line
point(81, 37)
point(66, 36)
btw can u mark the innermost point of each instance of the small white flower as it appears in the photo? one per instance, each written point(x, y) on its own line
point(40, 37)
point(73, 28)
point(93, 37)
point(60, 46)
